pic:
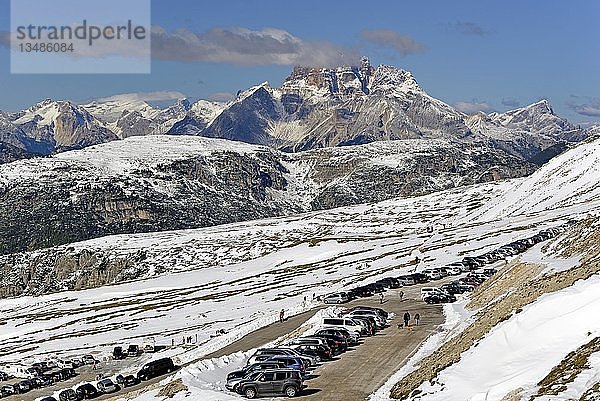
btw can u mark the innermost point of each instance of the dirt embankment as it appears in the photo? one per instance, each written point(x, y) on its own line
point(567, 370)
point(506, 295)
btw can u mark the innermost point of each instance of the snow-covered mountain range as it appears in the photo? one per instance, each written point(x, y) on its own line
point(314, 108)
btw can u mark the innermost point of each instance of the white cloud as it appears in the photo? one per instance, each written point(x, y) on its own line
point(146, 96)
point(269, 46)
point(404, 44)
point(473, 107)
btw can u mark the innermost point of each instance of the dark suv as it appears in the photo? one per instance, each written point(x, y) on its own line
point(271, 382)
point(156, 368)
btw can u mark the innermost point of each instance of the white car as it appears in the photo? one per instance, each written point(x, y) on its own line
point(346, 323)
point(425, 291)
point(338, 298)
point(432, 274)
point(368, 313)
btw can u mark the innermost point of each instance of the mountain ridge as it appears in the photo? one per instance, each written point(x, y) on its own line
point(313, 108)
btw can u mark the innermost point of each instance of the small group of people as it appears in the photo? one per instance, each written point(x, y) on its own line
point(406, 318)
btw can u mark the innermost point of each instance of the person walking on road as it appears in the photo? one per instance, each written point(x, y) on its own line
point(406, 319)
point(381, 297)
point(281, 316)
point(401, 295)
point(417, 319)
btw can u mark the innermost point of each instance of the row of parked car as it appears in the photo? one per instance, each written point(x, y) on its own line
point(283, 370)
point(40, 374)
point(470, 264)
point(86, 391)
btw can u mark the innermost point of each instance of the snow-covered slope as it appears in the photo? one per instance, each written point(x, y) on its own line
point(569, 179)
point(156, 182)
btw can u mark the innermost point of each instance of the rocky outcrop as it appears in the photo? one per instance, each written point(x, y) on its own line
point(57, 201)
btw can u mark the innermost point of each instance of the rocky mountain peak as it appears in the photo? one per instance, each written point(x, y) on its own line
point(339, 81)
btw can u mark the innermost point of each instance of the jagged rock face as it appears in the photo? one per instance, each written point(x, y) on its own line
point(349, 106)
point(248, 119)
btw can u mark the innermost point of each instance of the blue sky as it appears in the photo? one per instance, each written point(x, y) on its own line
point(474, 54)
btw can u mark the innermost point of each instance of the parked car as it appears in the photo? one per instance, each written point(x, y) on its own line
point(290, 362)
point(133, 350)
point(346, 323)
point(235, 377)
point(338, 298)
point(88, 359)
point(351, 337)
point(130, 380)
point(307, 340)
point(37, 382)
point(376, 287)
point(379, 311)
point(156, 368)
point(118, 353)
point(426, 291)
point(389, 282)
point(149, 345)
point(439, 298)
point(68, 373)
point(62, 364)
point(24, 386)
point(337, 344)
point(432, 274)
point(420, 278)
point(8, 389)
point(406, 280)
point(362, 292)
point(76, 363)
point(87, 391)
point(379, 320)
point(47, 380)
point(368, 324)
point(68, 395)
point(106, 386)
point(271, 382)
point(319, 352)
point(264, 354)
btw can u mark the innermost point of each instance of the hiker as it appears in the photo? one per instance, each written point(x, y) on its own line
point(406, 319)
point(417, 318)
point(401, 295)
point(281, 316)
point(305, 302)
point(183, 339)
point(381, 297)
point(172, 342)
